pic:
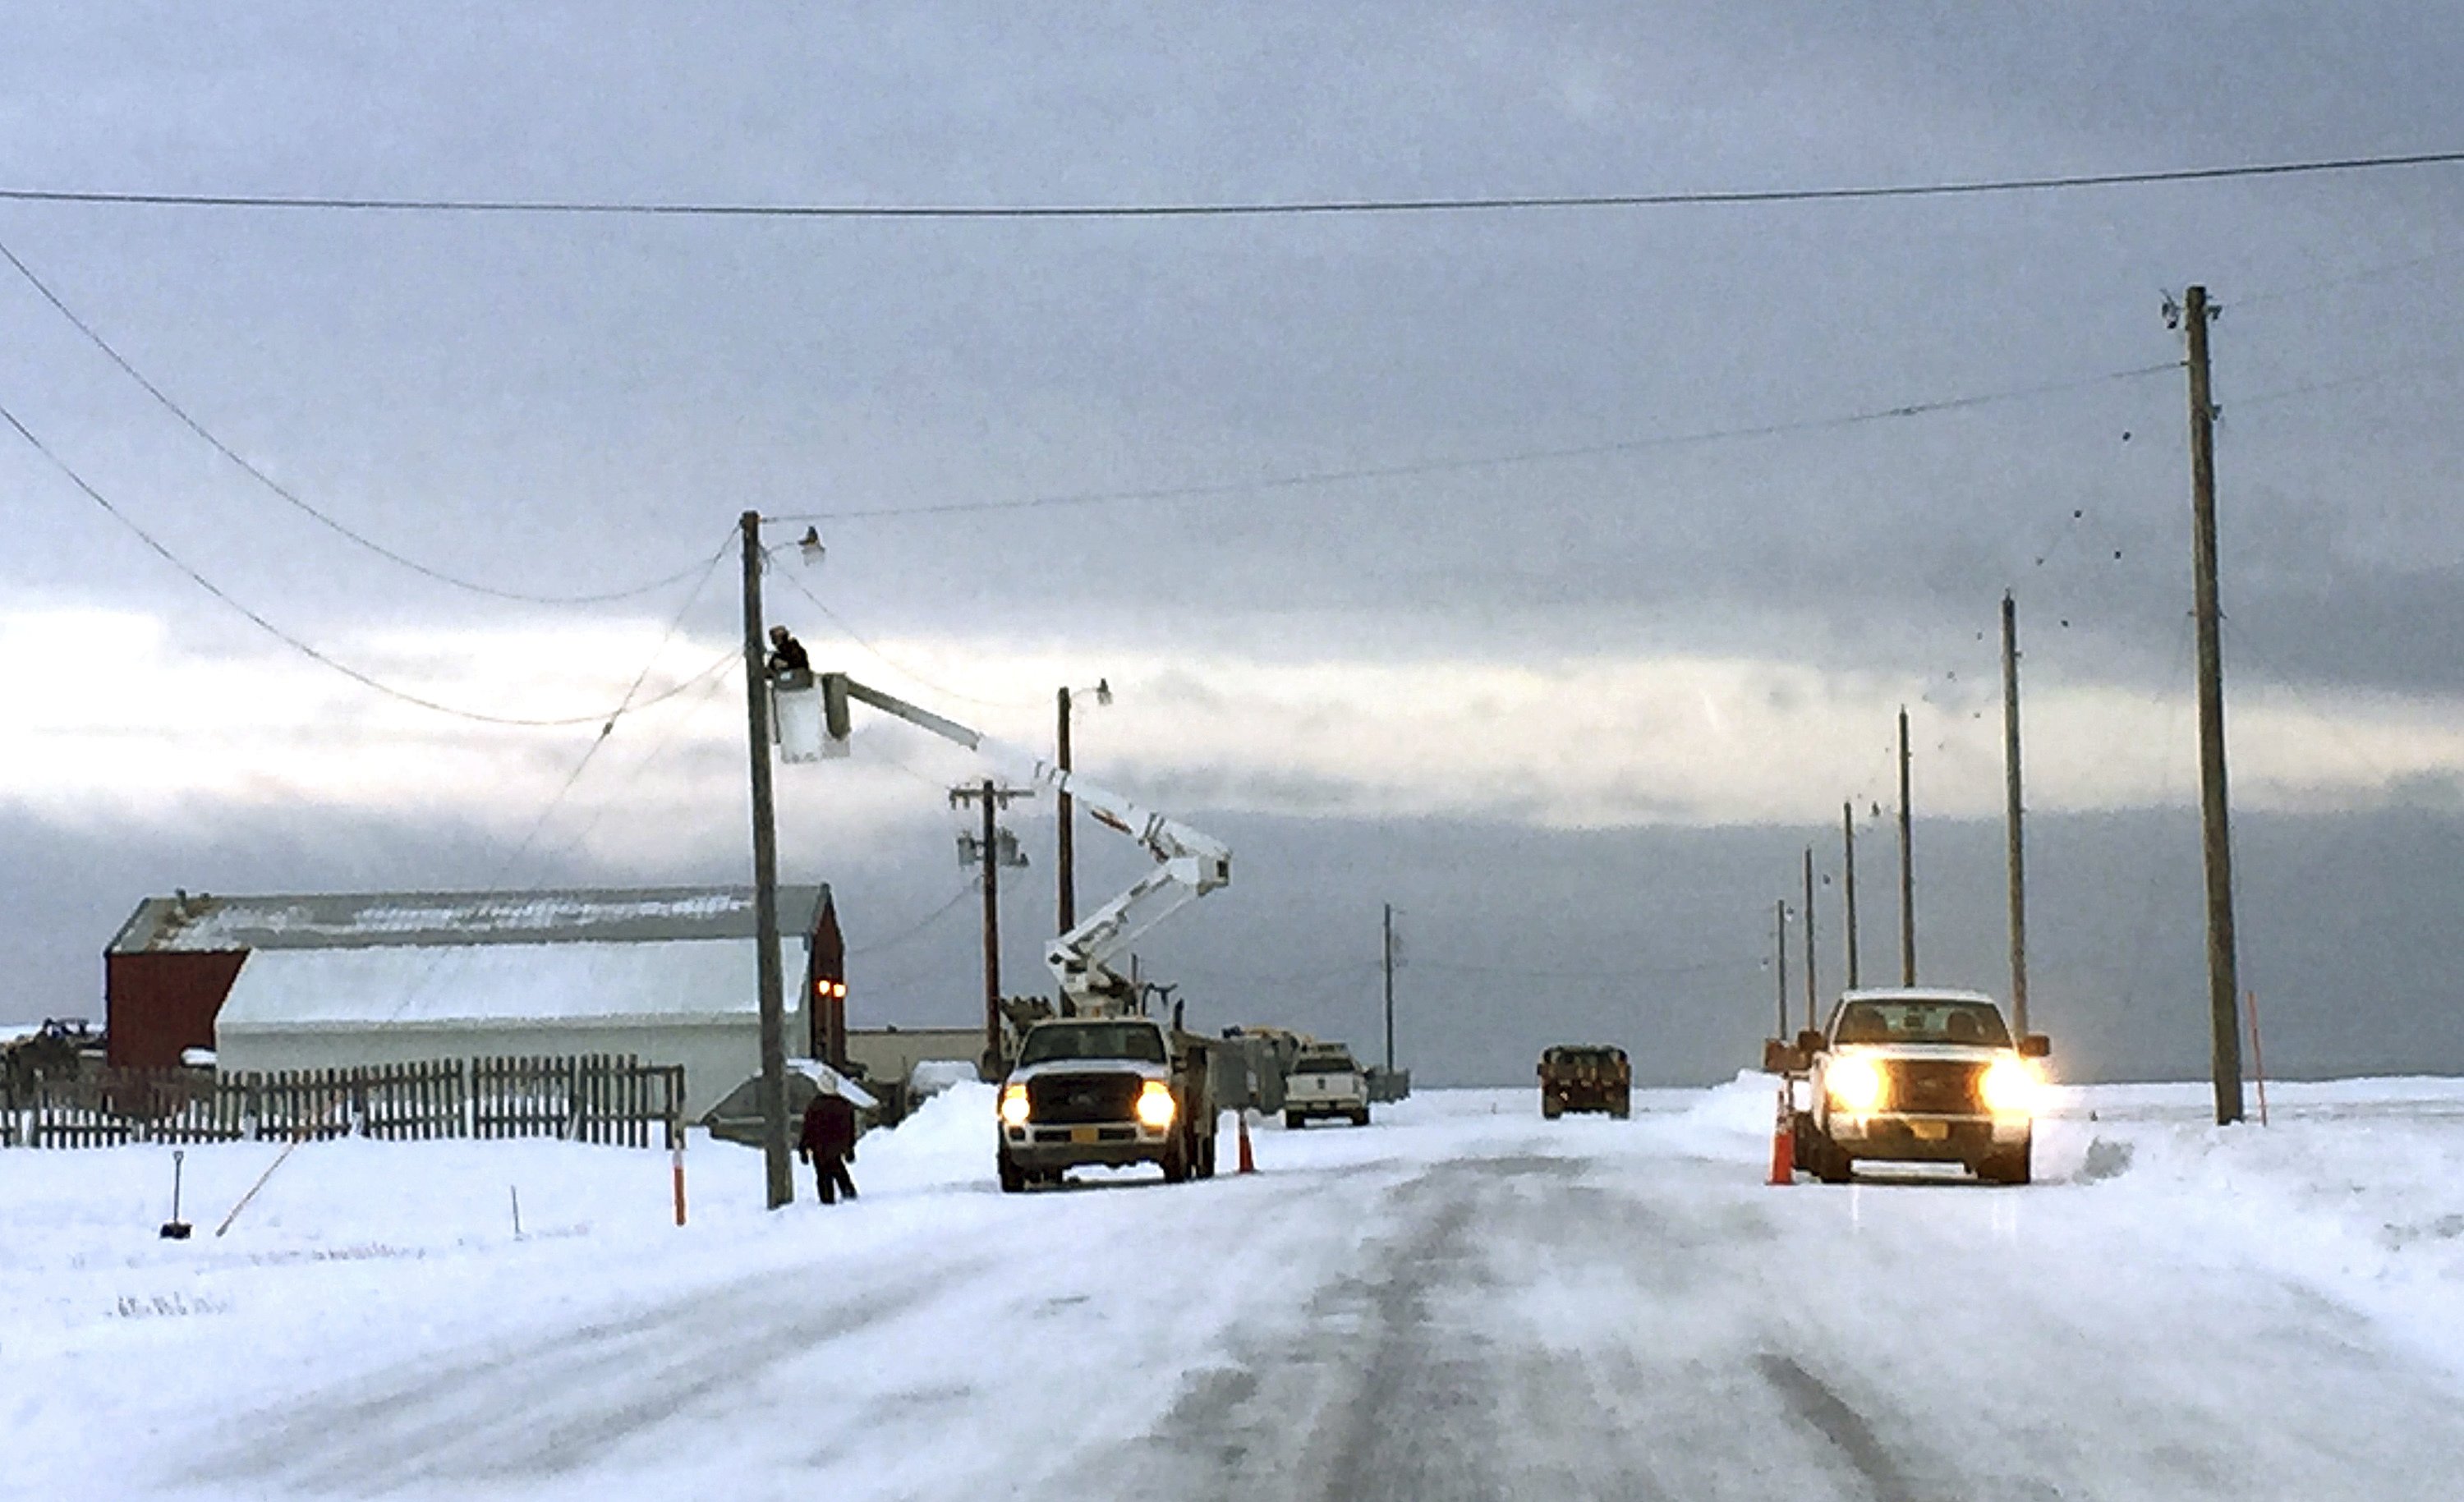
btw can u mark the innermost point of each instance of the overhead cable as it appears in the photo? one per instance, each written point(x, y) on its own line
point(916, 928)
point(1303, 479)
point(863, 641)
point(1249, 208)
point(311, 653)
point(292, 497)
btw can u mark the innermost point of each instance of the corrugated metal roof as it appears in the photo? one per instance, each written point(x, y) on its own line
point(497, 984)
point(196, 922)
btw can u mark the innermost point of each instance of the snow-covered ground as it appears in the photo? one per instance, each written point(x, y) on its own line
point(1461, 1301)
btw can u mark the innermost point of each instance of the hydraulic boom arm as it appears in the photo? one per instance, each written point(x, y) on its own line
point(1188, 864)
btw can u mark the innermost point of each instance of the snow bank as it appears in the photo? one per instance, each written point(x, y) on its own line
point(2355, 1190)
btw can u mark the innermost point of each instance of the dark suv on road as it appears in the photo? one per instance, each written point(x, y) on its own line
point(1592, 1076)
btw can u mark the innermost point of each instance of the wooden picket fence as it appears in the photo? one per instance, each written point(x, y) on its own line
point(606, 1099)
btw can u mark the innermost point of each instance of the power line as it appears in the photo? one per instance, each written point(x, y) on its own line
point(675, 624)
point(303, 647)
point(1221, 489)
point(1250, 209)
point(918, 928)
point(860, 639)
point(292, 497)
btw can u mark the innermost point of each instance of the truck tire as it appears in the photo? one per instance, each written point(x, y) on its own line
point(1828, 1161)
point(1176, 1161)
point(1294, 1120)
point(1206, 1156)
point(1360, 1117)
point(1551, 1109)
point(1623, 1109)
point(1013, 1178)
point(2012, 1167)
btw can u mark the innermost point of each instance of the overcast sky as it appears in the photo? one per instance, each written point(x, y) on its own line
point(1657, 637)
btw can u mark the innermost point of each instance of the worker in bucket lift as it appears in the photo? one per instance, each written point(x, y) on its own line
point(787, 660)
point(828, 1145)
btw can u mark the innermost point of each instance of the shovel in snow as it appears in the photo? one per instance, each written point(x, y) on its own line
point(175, 1228)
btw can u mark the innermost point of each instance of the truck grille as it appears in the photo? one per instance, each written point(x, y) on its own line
point(1945, 1086)
point(1064, 1098)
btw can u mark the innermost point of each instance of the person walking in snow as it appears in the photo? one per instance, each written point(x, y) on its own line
point(828, 1145)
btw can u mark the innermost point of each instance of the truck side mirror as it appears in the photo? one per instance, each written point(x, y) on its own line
point(2035, 1045)
point(1810, 1042)
point(1779, 1057)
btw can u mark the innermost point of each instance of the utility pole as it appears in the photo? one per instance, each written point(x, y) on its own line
point(2013, 812)
point(1065, 904)
point(1907, 867)
point(1780, 958)
point(2224, 997)
point(779, 1172)
point(1389, 953)
point(1065, 899)
point(989, 854)
point(1809, 1023)
point(1848, 880)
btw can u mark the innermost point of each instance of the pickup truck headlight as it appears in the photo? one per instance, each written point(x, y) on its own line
point(1014, 1109)
point(2010, 1088)
point(1156, 1105)
point(1857, 1085)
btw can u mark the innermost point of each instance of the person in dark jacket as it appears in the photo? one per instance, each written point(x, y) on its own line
point(828, 1145)
point(788, 659)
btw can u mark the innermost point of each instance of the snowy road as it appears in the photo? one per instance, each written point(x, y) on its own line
point(1458, 1304)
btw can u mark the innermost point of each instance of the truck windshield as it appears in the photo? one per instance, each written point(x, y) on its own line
point(1130, 1040)
point(1923, 1020)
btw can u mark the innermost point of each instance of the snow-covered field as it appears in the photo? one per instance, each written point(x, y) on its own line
point(1461, 1301)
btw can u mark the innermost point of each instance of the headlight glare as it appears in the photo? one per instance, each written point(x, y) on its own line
point(1857, 1085)
point(1013, 1105)
point(2010, 1088)
point(1156, 1105)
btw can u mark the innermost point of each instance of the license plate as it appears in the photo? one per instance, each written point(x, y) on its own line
point(1929, 1131)
point(1080, 1136)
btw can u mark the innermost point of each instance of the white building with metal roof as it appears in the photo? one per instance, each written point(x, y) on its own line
point(666, 974)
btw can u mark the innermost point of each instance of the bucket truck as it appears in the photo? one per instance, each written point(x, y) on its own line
point(1100, 1083)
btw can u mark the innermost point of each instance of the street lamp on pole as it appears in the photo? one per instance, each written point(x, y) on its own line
point(1066, 898)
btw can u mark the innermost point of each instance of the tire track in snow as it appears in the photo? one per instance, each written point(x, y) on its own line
point(561, 1402)
point(1395, 1384)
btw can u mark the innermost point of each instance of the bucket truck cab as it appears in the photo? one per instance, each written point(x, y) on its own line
point(1106, 1091)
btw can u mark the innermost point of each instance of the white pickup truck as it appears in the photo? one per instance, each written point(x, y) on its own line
point(1324, 1081)
point(1917, 1076)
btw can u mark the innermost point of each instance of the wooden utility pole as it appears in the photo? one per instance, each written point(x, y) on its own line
point(2224, 997)
point(992, 933)
point(779, 1170)
point(994, 799)
point(1780, 958)
point(1848, 882)
point(2012, 812)
point(1388, 951)
point(1810, 1021)
point(1065, 899)
point(1907, 867)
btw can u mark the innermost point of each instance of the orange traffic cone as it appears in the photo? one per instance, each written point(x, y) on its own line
point(1249, 1160)
point(1783, 1167)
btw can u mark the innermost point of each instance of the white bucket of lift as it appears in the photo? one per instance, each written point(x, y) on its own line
point(796, 717)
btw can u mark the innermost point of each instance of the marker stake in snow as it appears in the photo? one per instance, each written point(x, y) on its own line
point(676, 1161)
point(516, 1194)
point(1783, 1162)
